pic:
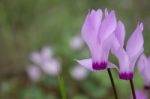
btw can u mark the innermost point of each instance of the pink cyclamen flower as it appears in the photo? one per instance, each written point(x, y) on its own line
point(140, 94)
point(79, 73)
point(96, 32)
point(134, 48)
point(144, 70)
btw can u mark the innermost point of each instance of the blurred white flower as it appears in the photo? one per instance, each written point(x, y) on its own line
point(79, 73)
point(76, 43)
point(35, 57)
point(52, 67)
point(46, 53)
point(34, 72)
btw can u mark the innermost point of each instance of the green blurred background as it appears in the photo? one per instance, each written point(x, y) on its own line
point(28, 25)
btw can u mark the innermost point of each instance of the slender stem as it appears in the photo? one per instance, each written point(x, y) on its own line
point(112, 83)
point(132, 88)
point(62, 87)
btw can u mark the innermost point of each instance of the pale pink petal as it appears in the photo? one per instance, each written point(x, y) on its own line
point(142, 63)
point(90, 31)
point(123, 60)
point(134, 59)
point(115, 45)
point(135, 42)
point(108, 26)
point(87, 63)
point(120, 33)
point(111, 65)
point(91, 26)
point(105, 48)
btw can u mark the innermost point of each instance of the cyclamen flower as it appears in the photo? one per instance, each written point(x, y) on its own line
point(134, 48)
point(144, 70)
point(140, 94)
point(96, 32)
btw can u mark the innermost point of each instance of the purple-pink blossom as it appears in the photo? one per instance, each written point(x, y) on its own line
point(128, 56)
point(96, 32)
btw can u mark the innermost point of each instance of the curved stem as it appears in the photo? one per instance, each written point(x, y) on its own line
point(132, 88)
point(112, 83)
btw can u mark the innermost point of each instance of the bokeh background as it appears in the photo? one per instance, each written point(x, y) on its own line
point(29, 26)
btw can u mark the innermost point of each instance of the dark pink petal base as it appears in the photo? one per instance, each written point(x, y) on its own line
point(147, 87)
point(126, 76)
point(99, 66)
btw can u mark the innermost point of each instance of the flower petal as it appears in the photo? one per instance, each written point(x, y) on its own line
point(90, 31)
point(91, 25)
point(123, 60)
point(87, 63)
point(111, 65)
point(108, 26)
point(120, 33)
point(135, 42)
point(142, 63)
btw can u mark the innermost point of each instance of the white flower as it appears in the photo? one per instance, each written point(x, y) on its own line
point(76, 43)
point(46, 53)
point(79, 73)
point(52, 67)
point(35, 58)
point(34, 72)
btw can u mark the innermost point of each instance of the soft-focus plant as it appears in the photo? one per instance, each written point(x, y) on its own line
point(79, 73)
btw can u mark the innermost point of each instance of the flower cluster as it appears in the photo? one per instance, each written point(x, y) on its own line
point(43, 62)
point(102, 33)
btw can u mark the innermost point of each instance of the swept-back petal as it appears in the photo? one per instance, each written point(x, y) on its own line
point(87, 63)
point(91, 25)
point(108, 26)
point(90, 31)
point(120, 33)
point(135, 42)
point(123, 60)
point(111, 65)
